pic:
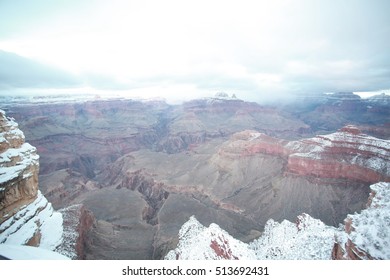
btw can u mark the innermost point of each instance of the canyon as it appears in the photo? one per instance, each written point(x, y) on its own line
point(132, 173)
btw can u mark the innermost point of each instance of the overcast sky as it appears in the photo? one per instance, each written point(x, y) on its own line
point(188, 48)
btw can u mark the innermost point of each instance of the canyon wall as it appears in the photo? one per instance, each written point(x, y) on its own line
point(26, 217)
point(347, 154)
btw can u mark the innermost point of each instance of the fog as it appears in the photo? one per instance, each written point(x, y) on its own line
point(186, 49)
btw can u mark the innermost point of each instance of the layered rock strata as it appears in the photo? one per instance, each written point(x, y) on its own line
point(26, 217)
point(347, 154)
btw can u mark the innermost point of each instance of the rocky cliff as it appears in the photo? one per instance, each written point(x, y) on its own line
point(366, 236)
point(77, 222)
point(347, 154)
point(26, 217)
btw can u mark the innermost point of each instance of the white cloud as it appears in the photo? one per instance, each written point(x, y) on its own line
point(248, 46)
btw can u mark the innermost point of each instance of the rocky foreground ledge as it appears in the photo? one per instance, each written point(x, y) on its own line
point(365, 235)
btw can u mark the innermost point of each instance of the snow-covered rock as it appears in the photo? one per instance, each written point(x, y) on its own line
point(366, 236)
point(35, 224)
point(18, 169)
point(198, 242)
point(77, 222)
point(307, 239)
point(26, 217)
point(344, 154)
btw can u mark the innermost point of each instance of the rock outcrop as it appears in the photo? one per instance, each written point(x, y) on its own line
point(308, 238)
point(26, 217)
point(344, 154)
point(78, 221)
point(152, 191)
point(366, 236)
point(347, 154)
point(197, 242)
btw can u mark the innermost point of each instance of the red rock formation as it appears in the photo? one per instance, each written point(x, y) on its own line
point(347, 154)
point(222, 248)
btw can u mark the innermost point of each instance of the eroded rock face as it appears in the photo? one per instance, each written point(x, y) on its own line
point(78, 221)
point(347, 154)
point(26, 217)
point(344, 154)
point(18, 169)
point(153, 192)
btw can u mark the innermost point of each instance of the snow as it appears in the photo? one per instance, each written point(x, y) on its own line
point(70, 233)
point(196, 239)
point(14, 161)
point(307, 239)
point(372, 226)
point(27, 157)
point(254, 135)
point(18, 252)
point(362, 150)
point(37, 216)
point(310, 240)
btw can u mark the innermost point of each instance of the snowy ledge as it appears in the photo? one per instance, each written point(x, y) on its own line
point(372, 226)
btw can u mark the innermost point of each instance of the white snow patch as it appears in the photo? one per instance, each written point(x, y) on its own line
point(70, 233)
point(27, 156)
point(310, 240)
point(18, 252)
point(37, 216)
point(372, 226)
point(195, 242)
point(254, 135)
